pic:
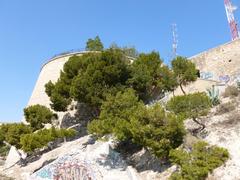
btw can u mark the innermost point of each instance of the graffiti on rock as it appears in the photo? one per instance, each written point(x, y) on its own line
point(71, 166)
point(224, 78)
point(78, 171)
point(44, 174)
point(206, 75)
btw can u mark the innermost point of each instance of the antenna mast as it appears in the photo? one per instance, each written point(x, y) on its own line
point(231, 20)
point(175, 40)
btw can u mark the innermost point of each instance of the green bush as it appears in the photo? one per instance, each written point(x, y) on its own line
point(196, 165)
point(4, 149)
point(184, 70)
point(91, 77)
point(94, 44)
point(31, 142)
point(128, 119)
point(149, 77)
point(11, 133)
point(38, 115)
point(190, 106)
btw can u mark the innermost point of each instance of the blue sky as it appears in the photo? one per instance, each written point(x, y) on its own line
point(33, 31)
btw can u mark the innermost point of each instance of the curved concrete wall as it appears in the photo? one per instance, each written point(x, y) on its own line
point(49, 71)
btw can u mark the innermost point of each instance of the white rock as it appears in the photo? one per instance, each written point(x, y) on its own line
point(12, 158)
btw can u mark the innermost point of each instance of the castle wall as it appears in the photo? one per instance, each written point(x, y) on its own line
point(218, 66)
point(221, 63)
point(49, 72)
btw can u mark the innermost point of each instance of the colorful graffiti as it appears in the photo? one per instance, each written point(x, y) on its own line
point(71, 166)
point(78, 171)
point(224, 78)
point(206, 75)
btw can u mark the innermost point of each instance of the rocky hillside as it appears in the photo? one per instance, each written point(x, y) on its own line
point(90, 159)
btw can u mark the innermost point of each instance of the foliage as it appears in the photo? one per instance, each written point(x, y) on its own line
point(149, 77)
point(157, 130)
point(190, 106)
point(49, 88)
point(11, 133)
point(40, 139)
point(128, 119)
point(38, 115)
point(4, 149)
point(214, 95)
point(196, 165)
point(106, 73)
point(127, 50)
point(89, 78)
point(94, 44)
point(184, 70)
point(231, 91)
point(116, 110)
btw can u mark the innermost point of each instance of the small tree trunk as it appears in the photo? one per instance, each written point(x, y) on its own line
point(201, 124)
point(182, 89)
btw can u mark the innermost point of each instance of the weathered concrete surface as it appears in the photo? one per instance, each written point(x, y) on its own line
point(221, 63)
point(49, 72)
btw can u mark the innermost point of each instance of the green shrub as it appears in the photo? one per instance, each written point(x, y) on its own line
point(4, 149)
point(196, 165)
point(149, 77)
point(190, 106)
point(128, 119)
point(11, 133)
point(90, 77)
point(94, 44)
point(40, 139)
point(231, 91)
point(38, 115)
point(185, 71)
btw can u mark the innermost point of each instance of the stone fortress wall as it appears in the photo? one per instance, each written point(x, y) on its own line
point(49, 72)
point(218, 66)
point(221, 63)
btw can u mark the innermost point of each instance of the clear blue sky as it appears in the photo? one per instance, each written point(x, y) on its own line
point(33, 31)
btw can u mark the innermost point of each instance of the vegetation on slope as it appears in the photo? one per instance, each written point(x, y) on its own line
point(128, 119)
point(31, 142)
point(23, 137)
point(119, 90)
point(38, 115)
point(199, 162)
point(191, 106)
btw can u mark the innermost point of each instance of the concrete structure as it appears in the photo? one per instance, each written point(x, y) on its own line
point(221, 63)
point(49, 72)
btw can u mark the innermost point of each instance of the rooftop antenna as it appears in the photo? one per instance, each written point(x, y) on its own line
point(230, 8)
point(175, 39)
